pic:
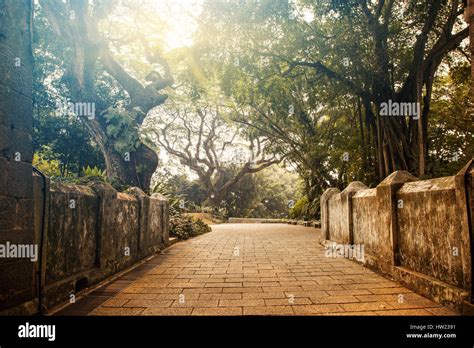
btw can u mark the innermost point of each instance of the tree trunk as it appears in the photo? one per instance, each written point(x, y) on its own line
point(136, 166)
point(469, 18)
point(421, 128)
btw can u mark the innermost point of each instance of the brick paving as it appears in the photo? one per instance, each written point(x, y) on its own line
point(258, 269)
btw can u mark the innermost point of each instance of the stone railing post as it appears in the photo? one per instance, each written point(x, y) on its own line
point(143, 216)
point(464, 181)
point(387, 209)
point(325, 211)
point(105, 251)
point(346, 201)
point(165, 218)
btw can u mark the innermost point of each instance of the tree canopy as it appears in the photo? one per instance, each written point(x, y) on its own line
point(330, 90)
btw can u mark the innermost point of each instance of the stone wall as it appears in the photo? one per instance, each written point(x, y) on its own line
point(84, 234)
point(418, 232)
point(18, 286)
point(94, 232)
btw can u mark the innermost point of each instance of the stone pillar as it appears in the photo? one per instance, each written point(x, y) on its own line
point(464, 200)
point(164, 218)
point(346, 201)
point(18, 282)
point(143, 218)
point(325, 211)
point(105, 248)
point(387, 209)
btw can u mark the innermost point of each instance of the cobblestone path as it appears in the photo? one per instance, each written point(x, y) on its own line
point(253, 269)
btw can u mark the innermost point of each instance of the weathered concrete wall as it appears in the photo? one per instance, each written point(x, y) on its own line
point(431, 230)
point(325, 211)
point(72, 239)
point(94, 232)
point(18, 288)
point(416, 231)
point(369, 231)
point(336, 208)
point(158, 220)
point(340, 205)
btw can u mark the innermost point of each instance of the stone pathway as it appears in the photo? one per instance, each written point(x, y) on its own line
point(259, 269)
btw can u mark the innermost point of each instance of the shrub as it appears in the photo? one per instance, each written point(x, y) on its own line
point(300, 209)
point(89, 172)
point(184, 227)
point(48, 167)
point(201, 227)
point(181, 227)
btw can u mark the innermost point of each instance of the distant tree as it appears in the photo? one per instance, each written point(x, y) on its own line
point(277, 190)
point(188, 194)
point(269, 193)
point(202, 139)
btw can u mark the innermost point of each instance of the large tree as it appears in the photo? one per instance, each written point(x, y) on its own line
point(369, 52)
point(92, 40)
point(200, 135)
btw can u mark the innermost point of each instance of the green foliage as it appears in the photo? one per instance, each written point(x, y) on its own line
point(450, 134)
point(263, 195)
point(48, 167)
point(300, 210)
point(122, 129)
point(329, 134)
point(243, 53)
point(94, 172)
point(61, 74)
point(88, 175)
point(56, 137)
point(63, 139)
point(184, 227)
point(45, 162)
point(182, 194)
point(201, 227)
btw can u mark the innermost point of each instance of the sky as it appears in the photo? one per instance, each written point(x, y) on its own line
point(180, 16)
